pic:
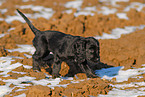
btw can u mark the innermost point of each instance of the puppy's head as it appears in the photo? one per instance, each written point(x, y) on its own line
point(79, 50)
point(87, 49)
point(92, 50)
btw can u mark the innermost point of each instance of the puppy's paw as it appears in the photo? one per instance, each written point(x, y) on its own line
point(92, 76)
point(54, 75)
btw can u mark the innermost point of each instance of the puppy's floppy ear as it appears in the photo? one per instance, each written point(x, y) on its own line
point(92, 50)
point(93, 40)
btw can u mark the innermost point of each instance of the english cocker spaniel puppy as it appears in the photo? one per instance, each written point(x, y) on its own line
point(78, 52)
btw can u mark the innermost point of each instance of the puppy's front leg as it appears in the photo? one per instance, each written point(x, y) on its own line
point(56, 67)
point(86, 69)
point(73, 68)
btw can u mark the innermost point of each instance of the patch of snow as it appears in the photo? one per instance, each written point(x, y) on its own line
point(25, 0)
point(74, 4)
point(24, 48)
point(45, 82)
point(122, 86)
point(83, 13)
point(132, 84)
point(91, 11)
point(113, 2)
point(122, 16)
point(3, 11)
point(7, 67)
point(42, 12)
point(135, 5)
point(28, 56)
point(123, 93)
point(123, 75)
point(106, 11)
point(19, 72)
point(86, 11)
point(4, 90)
point(9, 19)
point(93, 8)
point(68, 11)
point(67, 78)
point(27, 66)
point(20, 90)
point(1, 19)
point(11, 29)
point(20, 80)
point(2, 35)
point(117, 32)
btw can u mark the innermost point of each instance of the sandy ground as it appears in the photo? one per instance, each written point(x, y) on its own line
point(119, 25)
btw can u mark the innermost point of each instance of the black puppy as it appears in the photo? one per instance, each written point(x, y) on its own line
point(78, 52)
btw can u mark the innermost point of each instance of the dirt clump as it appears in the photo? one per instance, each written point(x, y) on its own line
point(4, 26)
point(39, 91)
point(80, 76)
point(38, 75)
point(91, 87)
point(64, 69)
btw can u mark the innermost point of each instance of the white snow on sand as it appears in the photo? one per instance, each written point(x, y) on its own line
point(4, 90)
point(74, 4)
point(24, 48)
point(123, 75)
point(2, 35)
point(3, 11)
point(42, 12)
point(123, 93)
point(113, 2)
point(106, 11)
point(116, 33)
point(135, 5)
point(122, 16)
point(88, 10)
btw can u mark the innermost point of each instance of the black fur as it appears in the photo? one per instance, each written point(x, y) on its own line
point(78, 52)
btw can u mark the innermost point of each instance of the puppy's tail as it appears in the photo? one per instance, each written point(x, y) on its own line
point(34, 30)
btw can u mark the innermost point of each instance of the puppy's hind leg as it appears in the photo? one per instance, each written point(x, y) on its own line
point(56, 67)
point(73, 69)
